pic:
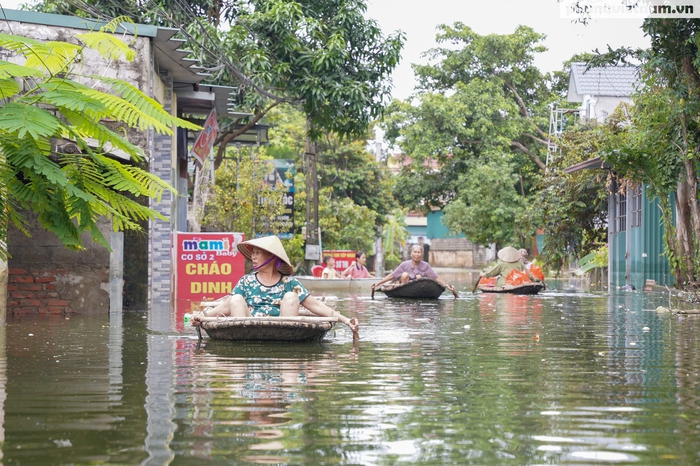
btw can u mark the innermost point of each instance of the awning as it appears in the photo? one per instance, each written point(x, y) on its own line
point(595, 162)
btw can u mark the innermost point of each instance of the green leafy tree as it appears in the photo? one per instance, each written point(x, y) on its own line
point(46, 106)
point(394, 236)
point(321, 55)
point(242, 201)
point(344, 164)
point(572, 209)
point(487, 206)
point(480, 112)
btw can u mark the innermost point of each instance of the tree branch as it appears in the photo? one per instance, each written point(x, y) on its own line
point(523, 109)
point(225, 138)
point(533, 157)
point(535, 138)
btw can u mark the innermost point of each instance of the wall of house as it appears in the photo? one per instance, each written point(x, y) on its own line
point(642, 247)
point(45, 278)
point(604, 106)
point(648, 259)
point(450, 250)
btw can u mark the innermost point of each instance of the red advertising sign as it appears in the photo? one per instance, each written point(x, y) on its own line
point(343, 259)
point(208, 267)
point(205, 138)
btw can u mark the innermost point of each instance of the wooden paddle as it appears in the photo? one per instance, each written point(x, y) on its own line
point(476, 284)
point(454, 292)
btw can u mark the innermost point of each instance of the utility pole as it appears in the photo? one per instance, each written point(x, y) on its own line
point(313, 243)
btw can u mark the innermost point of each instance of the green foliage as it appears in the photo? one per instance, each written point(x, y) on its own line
point(597, 258)
point(238, 192)
point(353, 173)
point(475, 132)
point(394, 236)
point(572, 209)
point(347, 225)
point(70, 192)
point(322, 55)
point(487, 206)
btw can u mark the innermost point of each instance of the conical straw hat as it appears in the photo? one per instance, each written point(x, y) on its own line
point(509, 254)
point(271, 244)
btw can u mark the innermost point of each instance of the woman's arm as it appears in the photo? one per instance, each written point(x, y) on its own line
point(321, 309)
point(495, 270)
point(346, 271)
point(383, 280)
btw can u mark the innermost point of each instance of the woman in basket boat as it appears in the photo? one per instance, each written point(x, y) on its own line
point(270, 290)
point(509, 259)
point(414, 269)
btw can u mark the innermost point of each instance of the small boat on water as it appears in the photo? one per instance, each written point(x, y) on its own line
point(525, 288)
point(291, 329)
point(302, 328)
point(421, 288)
point(320, 285)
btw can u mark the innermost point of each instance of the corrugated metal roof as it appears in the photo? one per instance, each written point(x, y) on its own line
point(168, 54)
point(613, 81)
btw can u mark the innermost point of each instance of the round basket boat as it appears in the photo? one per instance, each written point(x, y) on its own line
point(293, 329)
point(527, 288)
point(421, 288)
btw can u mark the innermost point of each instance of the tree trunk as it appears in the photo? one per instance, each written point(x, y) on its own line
point(684, 233)
point(672, 251)
point(692, 182)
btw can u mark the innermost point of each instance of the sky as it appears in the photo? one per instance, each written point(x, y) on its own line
point(419, 19)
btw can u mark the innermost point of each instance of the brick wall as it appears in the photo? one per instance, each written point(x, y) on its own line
point(45, 278)
point(41, 292)
point(456, 252)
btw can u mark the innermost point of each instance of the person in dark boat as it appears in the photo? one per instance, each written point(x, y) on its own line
point(413, 269)
point(270, 290)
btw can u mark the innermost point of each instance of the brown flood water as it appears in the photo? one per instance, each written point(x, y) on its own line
point(564, 377)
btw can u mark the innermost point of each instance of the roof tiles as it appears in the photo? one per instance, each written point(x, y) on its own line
point(616, 81)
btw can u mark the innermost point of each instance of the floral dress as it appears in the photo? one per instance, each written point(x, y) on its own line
point(265, 300)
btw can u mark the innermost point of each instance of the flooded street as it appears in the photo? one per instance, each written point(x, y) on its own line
point(563, 377)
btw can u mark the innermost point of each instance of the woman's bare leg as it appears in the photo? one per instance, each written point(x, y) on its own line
point(404, 278)
point(289, 305)
point(233, 305)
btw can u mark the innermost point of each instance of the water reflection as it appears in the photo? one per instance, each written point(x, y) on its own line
point(238, 395)
point(563, 377)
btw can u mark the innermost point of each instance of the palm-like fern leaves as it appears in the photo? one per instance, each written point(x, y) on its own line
point(42, 100)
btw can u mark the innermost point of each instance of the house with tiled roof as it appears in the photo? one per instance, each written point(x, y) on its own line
point(635, 229)
point(601, 89)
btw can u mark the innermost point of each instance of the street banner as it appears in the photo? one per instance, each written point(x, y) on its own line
point(342, 258)
point(208, 267)
point(205, 139)
point(280, 177)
